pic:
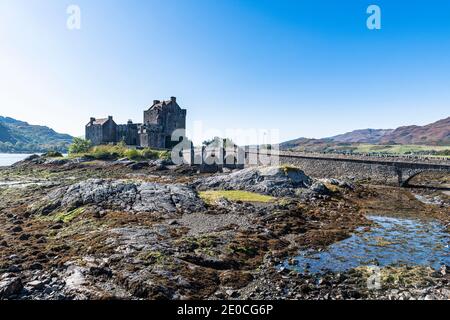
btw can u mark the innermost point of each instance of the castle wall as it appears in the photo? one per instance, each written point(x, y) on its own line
point(109, 132)
point(94, 133)
point(152, 140)
point(175, 118)
point(129, 133)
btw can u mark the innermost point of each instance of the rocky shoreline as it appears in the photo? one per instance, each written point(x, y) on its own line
point(84, 229)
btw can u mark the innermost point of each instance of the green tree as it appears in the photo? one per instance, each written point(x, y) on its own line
point(80, 146)
point(217, 141)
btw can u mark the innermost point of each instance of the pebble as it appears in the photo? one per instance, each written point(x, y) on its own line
point(17, 229)
point(36, 284)
point(24, 237)
point(36, 266)
point(232, 293)
point(14, 269)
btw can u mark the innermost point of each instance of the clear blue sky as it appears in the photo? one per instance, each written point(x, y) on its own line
point(307, 68)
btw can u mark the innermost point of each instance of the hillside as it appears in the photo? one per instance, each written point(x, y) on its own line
point(434, 134)
point(21, 137)
point(437, 133)
point(362, 136)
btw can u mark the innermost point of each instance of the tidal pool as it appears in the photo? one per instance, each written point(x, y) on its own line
point(390, 242)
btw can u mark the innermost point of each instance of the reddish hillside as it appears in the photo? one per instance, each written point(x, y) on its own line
point(437, 133)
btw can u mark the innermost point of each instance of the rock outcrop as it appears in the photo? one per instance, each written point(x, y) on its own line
point(275, 181)
point(9, 286)
point(122, 195)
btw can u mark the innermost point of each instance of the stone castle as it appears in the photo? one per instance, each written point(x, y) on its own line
point(160, 121)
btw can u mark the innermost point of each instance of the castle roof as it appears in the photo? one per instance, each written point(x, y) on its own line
point(163, 104)
point(99, 122)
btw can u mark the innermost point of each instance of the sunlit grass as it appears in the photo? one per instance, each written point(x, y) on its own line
point(212, 196)
point(112, 152)
point(63, 216)
point(401, 149)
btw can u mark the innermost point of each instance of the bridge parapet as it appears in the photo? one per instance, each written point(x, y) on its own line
point(368, 169)
point(370, 158)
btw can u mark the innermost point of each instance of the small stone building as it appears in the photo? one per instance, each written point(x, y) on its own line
point(160, 121)
point(101, 131)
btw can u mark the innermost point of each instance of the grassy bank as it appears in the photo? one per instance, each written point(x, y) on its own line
point(365, 148)
point(113, 152)
point(403, 149)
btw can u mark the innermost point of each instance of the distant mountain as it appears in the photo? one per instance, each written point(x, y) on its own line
point(21, 137)
point(296, 142)
point(362, 136)
point(310, 145)
point(437, 133)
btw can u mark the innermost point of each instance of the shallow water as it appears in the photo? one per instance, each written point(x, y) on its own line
point(7, 159)
point(391, 242)
point(25, 184)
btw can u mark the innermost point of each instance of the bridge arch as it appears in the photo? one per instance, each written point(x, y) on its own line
point(407, 175)
point(404, 182)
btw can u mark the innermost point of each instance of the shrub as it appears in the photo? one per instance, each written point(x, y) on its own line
point(107, 152)
point(164, 155)
point(113, 152)
point(79, 146)
point(53, 154)
point(222, 142)
point(444, 153)
point(148, 153)
point(133, 154)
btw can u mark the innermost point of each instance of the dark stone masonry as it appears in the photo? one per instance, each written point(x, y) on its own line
point(160, 121)
point(388, 172)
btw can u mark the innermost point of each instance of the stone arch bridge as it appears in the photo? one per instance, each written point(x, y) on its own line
point(390, 172)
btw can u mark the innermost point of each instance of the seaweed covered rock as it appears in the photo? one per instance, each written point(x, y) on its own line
point(33, 159)
point(51, 160)
point(320, 188)
point(123, 195)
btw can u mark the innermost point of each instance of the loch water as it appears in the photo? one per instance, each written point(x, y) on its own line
point(392, 241)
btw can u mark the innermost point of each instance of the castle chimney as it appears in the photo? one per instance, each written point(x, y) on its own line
point(110, 117)
point(92, 120)
point(173, 99)
point(156, 102)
